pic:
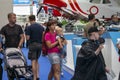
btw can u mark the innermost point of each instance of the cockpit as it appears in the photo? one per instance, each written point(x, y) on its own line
point(100, 1)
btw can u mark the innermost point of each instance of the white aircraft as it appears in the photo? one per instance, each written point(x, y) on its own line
point(101, 8)
point(75, 9)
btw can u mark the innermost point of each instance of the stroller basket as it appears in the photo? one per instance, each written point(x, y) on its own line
point(16, 64)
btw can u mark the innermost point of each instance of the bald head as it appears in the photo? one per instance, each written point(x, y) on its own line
point(59, 30)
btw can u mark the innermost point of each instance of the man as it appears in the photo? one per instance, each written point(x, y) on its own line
point(91, 21)
point(27, 41)
point(90, 63)
point(13, 33)
point(34, 35)
point(114, 20)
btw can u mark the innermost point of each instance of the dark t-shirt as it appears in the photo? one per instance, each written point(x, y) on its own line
point(12, 35)
point(35, 32)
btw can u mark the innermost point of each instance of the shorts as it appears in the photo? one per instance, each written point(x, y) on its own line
point(34, 51)
point(54, 58)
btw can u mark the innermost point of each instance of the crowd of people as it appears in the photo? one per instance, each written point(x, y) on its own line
point(15, 36)
point(90, 64)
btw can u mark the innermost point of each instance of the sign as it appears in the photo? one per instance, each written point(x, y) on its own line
point(23, 1)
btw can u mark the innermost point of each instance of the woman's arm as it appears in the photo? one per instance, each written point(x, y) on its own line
point(51, 45)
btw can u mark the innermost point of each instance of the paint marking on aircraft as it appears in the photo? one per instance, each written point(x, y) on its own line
point(71, 5)
point(78, 7)
point(94, 8)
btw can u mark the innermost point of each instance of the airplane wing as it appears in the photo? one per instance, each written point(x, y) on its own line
point(59, 8)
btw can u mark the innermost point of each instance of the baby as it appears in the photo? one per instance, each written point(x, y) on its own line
point(61, 40)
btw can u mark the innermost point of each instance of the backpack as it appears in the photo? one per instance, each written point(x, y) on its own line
point(44, 46)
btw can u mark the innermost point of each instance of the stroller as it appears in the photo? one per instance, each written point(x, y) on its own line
point(16, 65)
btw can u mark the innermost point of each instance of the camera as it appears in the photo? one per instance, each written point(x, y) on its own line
point(101, 40)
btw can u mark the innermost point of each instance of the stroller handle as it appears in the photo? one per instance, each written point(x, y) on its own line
point(22, 66)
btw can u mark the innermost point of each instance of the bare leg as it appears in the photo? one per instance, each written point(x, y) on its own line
point(37, 68)
point(34, 69)
point(56, 69)
point(50, 76)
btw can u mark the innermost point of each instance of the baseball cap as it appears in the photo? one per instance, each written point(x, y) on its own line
point(92, 29)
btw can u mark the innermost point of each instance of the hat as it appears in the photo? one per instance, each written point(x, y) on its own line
point(92, 29)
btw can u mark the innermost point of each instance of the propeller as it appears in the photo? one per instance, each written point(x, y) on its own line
point(39, 10)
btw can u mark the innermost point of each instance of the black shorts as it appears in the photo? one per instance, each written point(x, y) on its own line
point(34, 51)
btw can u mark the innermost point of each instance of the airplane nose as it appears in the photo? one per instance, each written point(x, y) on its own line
point(58, 3)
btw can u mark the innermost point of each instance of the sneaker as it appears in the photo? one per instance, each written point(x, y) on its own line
point(38, 78)
point(62, 74)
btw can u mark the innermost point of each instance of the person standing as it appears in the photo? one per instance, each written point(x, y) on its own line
point(13, 33)
point(53, 50)
point(91, 21)
point(90, 64)
point(1, 58)
point(114, 20)
point(34, 34)
point(23, 28)
point(27, 41)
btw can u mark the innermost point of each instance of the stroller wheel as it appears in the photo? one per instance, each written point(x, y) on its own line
point(10, 78)
point(9, 74)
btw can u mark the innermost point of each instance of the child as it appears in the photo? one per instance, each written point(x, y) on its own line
point(62, 43)
point(118, 46)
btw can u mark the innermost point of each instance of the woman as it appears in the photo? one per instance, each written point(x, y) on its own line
point(53, 50)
